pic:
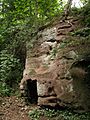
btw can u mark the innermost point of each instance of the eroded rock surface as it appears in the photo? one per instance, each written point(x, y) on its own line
point(50, 64)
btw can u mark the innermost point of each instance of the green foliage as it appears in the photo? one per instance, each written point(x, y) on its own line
point(35, 114)
point(75, 11)
point(31, 12)
point(84, 2)
point(4, 89)
point(84, 32)
point(53, 53)
point(19, 22)
point(57, 115)
point(10, 72)
point(86, 14)
point(63, 44)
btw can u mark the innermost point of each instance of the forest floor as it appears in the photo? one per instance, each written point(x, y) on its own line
point(13, 108)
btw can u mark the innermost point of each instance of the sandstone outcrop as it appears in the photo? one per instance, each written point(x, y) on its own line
point(56, 69)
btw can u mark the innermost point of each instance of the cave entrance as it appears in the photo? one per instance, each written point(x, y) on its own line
point(32, 91)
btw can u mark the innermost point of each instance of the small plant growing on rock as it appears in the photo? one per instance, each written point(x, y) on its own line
point(53, 53)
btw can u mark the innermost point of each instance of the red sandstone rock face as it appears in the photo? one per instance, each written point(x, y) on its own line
point(50, 65)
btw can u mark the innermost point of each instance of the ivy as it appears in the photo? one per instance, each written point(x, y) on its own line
point(10, 68)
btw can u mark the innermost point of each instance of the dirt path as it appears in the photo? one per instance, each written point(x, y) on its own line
point(13, 108)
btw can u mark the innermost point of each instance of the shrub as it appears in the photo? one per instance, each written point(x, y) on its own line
point(10, 72)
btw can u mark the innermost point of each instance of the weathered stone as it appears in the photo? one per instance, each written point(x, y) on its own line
point(59, 81)
point(41, 89)
point(45, 89)
point(49, 34)
point(71, 55)
point(65, 26)
point(48, 101)
point(64, 31)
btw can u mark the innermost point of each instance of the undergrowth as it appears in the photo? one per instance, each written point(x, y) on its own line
point(36, 114)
